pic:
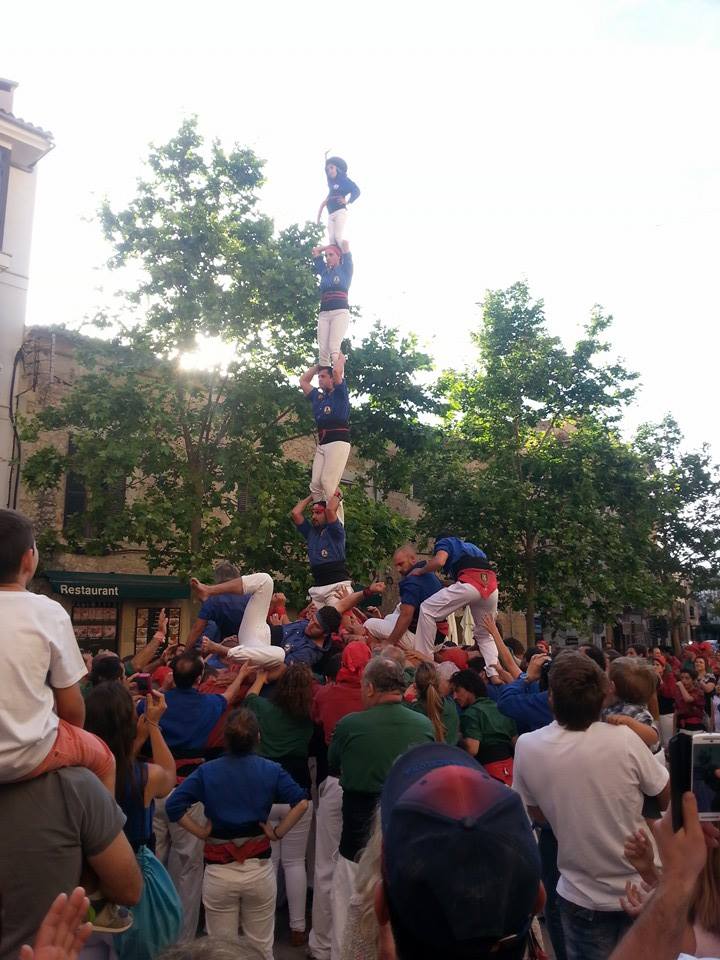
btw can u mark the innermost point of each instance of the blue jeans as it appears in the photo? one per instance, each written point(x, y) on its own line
point(591, 934)
point(548, 848)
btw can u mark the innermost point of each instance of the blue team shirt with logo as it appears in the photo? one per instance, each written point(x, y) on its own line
point(456, 550)
point(226, 610)
point(325, 544)
point(330, 408)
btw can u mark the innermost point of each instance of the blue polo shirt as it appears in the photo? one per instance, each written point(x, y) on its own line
point(325, 544)
point(226, 610)
point(189, 719)
point(413, 590)
point(330, 409)
point(298, 646)
point(457, 550)
point(237, 793)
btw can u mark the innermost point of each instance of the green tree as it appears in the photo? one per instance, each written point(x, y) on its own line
point(531, 464)
point(200, 454)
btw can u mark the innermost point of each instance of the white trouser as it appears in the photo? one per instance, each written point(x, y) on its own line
point(444, 603)
point(242, 893)
point(254, 633)
point(328, 827)
point(342, 890)
point(666, 726)
point(182, 855)
point(336, 226)
point(382, 628)
point(327, 470)
point(331, 328)
point(329, 594)
point(290, 852)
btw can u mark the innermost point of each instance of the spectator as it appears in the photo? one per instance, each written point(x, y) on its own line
point(440, 711)
point(41, 705)
point(486, 734)
point(364, 747)
point(331, 703)
point(610, 770)
point(461, 873)
point(49, 826)
point(285, 732)
point(110, 714)
point(689, 701)
point(238, 791)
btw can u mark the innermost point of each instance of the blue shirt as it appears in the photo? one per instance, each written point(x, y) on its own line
point(237, 793)
point(456, 550)
point(226, 610)
point(330, 409)
point(189, 719)
point(337, 278)
point(341, 186)
point(325, 544)
point(413, 590)
point(524, 704)
point(298, 646)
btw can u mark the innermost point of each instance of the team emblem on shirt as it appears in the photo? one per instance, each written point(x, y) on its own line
point(336, 279)
point(323, 553)
point(327, 409)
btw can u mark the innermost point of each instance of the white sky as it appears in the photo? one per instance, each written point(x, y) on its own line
point(573, 143)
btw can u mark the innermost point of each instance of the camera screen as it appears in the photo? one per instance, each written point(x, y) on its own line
point(706, 776)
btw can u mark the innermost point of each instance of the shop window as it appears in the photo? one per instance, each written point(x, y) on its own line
point(96, 625)
point(146, 619)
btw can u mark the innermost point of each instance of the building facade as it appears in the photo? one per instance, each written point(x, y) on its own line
point(22, 146)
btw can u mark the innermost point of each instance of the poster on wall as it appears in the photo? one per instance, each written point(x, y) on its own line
point(146, 619)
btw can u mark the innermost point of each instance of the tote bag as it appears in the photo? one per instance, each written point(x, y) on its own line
point(157, 918)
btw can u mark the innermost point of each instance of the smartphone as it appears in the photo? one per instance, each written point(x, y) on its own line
point(143, 682)
point(695, 765)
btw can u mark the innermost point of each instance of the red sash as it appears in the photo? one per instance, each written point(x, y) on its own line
point(501, 770)
point(484, 581)
point(230, 852)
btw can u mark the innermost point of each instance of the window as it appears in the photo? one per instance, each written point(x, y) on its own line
point(4, 181)
point(76, 500)
point(96, 625)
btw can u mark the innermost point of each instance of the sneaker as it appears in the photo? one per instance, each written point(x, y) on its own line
point(109, 917)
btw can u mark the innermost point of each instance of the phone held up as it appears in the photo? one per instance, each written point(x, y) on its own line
point(695, 765)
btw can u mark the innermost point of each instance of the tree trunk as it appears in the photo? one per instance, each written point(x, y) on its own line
point(530, 591)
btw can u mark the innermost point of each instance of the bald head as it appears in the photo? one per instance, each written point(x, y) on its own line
point(404, 559)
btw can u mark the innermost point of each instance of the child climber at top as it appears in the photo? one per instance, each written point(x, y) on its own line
point(41, 707)
point(341, 192)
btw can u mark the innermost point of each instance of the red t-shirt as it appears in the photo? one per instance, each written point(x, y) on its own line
point(332, 702)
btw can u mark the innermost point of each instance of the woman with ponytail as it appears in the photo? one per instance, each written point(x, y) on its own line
point(440, 711)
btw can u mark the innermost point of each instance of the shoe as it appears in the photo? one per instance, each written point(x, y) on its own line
point(109, 917)
point(298, 938)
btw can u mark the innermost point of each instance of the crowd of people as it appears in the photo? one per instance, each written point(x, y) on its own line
point(437, 798)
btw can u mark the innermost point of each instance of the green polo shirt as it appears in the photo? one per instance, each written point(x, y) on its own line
point(483, 721)
point(366, 744)
point(281, 735)
point(450, 718)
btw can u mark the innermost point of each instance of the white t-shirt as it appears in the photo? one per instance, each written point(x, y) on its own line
point(589, 785)
point(38, 652)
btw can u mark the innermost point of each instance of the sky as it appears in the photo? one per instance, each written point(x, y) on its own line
point(572, 144)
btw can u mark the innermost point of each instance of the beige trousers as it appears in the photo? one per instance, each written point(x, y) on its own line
point(331, 328)
point(336, 226)
point(327, 470)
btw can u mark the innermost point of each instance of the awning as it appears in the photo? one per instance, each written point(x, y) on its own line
point(116, 586)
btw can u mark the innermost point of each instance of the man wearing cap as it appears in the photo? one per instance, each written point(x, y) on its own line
point(460, 868)
point(398, 627)
point(363, 748)
point(588, 780)
point(331, 409)
point(475, 586)
point(325, 537)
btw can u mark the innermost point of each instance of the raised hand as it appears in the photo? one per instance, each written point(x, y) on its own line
point(63, 932)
